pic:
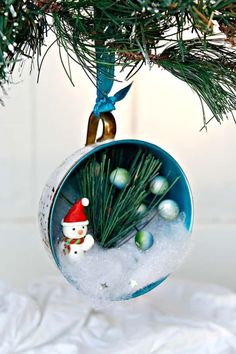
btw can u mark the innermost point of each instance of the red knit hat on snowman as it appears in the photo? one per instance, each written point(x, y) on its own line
point(76, 215)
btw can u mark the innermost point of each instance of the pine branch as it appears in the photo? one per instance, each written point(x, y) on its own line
point(142, 32)
point(113, 213)
point(210, 71)
point(137, 31)
point(23, 28)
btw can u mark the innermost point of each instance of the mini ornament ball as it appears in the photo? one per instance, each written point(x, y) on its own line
point(142, 209)
point(144, 240)
point(159, 185)
point(120, 177)
point(168, 209)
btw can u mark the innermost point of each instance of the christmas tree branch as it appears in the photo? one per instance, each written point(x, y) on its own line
point(210, 71)
point(137, 31)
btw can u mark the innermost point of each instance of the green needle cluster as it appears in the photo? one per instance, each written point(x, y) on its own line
point(23, 28)
point(192, 39)
point(112, 212)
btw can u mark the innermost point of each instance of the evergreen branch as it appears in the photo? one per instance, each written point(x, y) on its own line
point(23, 27)
point(209, 71)
point(137, 31)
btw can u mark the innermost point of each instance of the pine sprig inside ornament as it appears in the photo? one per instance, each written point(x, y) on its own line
point(114, 213)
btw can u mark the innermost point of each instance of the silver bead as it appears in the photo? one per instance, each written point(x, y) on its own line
point(168, 209)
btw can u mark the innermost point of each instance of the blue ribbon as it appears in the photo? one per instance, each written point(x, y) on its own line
point(105, 80)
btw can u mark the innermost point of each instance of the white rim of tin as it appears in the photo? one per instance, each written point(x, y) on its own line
point(51, 188)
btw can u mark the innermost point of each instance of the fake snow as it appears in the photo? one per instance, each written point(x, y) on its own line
point(116, 273)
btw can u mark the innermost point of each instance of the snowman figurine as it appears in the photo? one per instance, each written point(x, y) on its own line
point(75, 239)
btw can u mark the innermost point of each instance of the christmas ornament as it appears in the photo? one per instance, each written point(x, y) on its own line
point(120, 178)
point(168, 209)
point(144, 240)
point(75, 240)
point(159, 185)
point(105, 271)
point(114, 176)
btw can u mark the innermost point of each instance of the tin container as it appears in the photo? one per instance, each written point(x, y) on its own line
point(52, 210)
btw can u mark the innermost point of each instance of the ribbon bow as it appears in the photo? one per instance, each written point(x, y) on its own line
point(105, 80)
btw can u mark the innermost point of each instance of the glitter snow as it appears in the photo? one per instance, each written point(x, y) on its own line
point(116, 273)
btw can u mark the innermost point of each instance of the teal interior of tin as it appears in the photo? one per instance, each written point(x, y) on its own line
point(180, 192)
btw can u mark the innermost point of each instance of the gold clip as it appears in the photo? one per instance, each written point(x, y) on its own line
point(109, 128)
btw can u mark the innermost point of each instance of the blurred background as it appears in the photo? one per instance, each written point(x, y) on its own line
point(44, 123)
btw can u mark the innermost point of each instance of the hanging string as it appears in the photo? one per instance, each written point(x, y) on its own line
point(105, 79)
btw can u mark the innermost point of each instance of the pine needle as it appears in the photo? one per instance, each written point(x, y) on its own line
point(209, 71)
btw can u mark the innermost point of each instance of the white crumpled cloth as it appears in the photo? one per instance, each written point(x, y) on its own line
point(178, 317)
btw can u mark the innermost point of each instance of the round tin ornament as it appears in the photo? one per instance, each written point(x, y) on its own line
point(53, 208)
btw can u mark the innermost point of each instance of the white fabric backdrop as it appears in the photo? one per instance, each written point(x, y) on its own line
point(177, 318)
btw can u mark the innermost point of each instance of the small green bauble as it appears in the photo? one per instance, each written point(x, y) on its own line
point(120, 177)
point(144, 240)
point(159, 185)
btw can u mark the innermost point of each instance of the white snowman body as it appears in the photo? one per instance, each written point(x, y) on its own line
point(77, 232)
point(76, 241)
